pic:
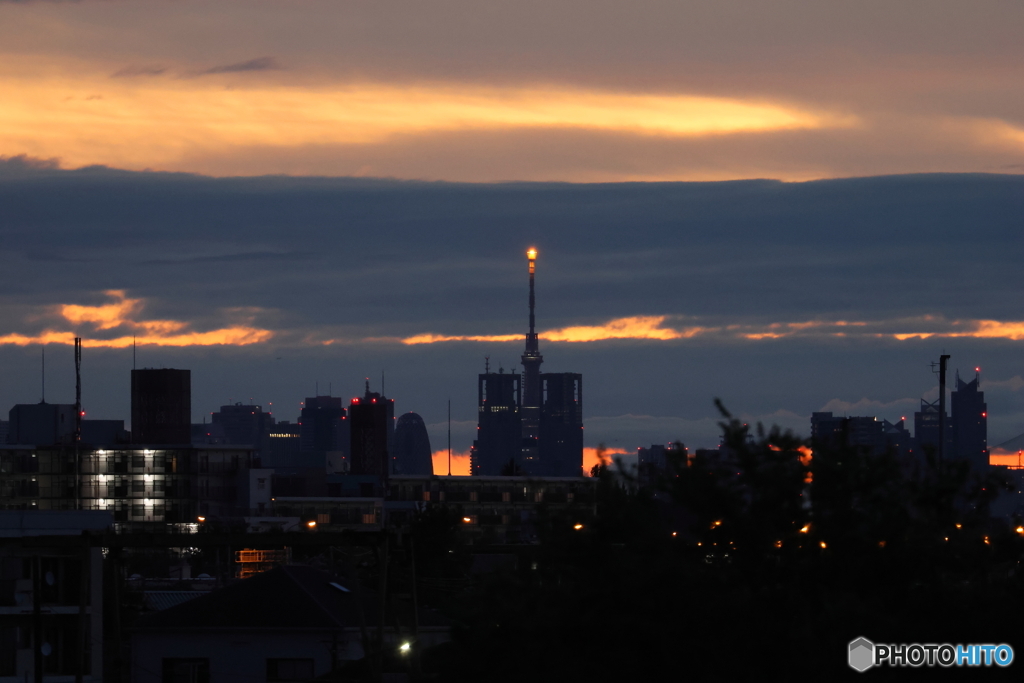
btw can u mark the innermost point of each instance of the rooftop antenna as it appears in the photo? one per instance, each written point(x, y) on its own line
point(449, 437)
point(43, 350)
point(942, 400)
point(78, 420)
point(78, 389)
point(133, 352)
point(487, 364)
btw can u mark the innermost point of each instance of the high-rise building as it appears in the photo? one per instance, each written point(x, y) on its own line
point(549, 415)
point(244, 425)
point(499, 438)
point(411, 452)
point(371, 422)
point(322, 424)
point(970, 422)
point(561, 424)
point(161, 406)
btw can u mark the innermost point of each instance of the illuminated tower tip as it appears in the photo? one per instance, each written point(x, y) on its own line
point(531, 254)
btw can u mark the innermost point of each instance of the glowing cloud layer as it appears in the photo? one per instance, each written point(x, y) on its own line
point(659, 328)
point(157, 123)
point(119, 316)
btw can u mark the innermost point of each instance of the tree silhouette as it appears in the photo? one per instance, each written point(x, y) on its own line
point(767, 556)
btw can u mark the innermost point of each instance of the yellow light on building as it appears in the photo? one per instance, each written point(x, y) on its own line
point(531, 254)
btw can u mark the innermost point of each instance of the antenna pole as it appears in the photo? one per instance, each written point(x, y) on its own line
point(78, 389)
point(942, 403)
point(449, 437)
point(43, 351)
point(78, 422)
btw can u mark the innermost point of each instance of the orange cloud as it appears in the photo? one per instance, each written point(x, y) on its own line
point(657, 327)
point(435, 338)
point(638, 327)
point(103, 317)
point(93, 119)
point(460, 463)
point(120, 314)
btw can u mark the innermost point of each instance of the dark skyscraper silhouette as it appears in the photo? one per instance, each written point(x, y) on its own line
point(322, 425)
point(411, 446)
point(970, 422)
point(561, 424)
point(499, 425)
point(544, 437)
point(243, 424)
point(161, 406)
point(371, 425)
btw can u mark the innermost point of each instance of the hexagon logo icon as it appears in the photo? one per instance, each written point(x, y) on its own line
point(862, 654)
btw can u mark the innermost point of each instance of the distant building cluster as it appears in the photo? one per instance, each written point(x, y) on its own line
point(961, 435)
point(339, 466)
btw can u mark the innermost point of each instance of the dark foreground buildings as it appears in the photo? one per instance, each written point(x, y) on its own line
point(530, 424)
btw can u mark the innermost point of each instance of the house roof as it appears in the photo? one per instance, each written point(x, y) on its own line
point(283, 598)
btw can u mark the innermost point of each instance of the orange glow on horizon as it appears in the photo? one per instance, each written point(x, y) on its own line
point(1005, 458)
point(594, 456)
point(460, 463)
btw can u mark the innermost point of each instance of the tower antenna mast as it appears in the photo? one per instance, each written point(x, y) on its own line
point(530, 394)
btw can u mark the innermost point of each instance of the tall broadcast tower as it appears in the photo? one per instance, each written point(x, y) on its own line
point(531, 397)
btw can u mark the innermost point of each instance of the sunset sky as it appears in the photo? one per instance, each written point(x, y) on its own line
point(277, 194)
point(566, 90)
